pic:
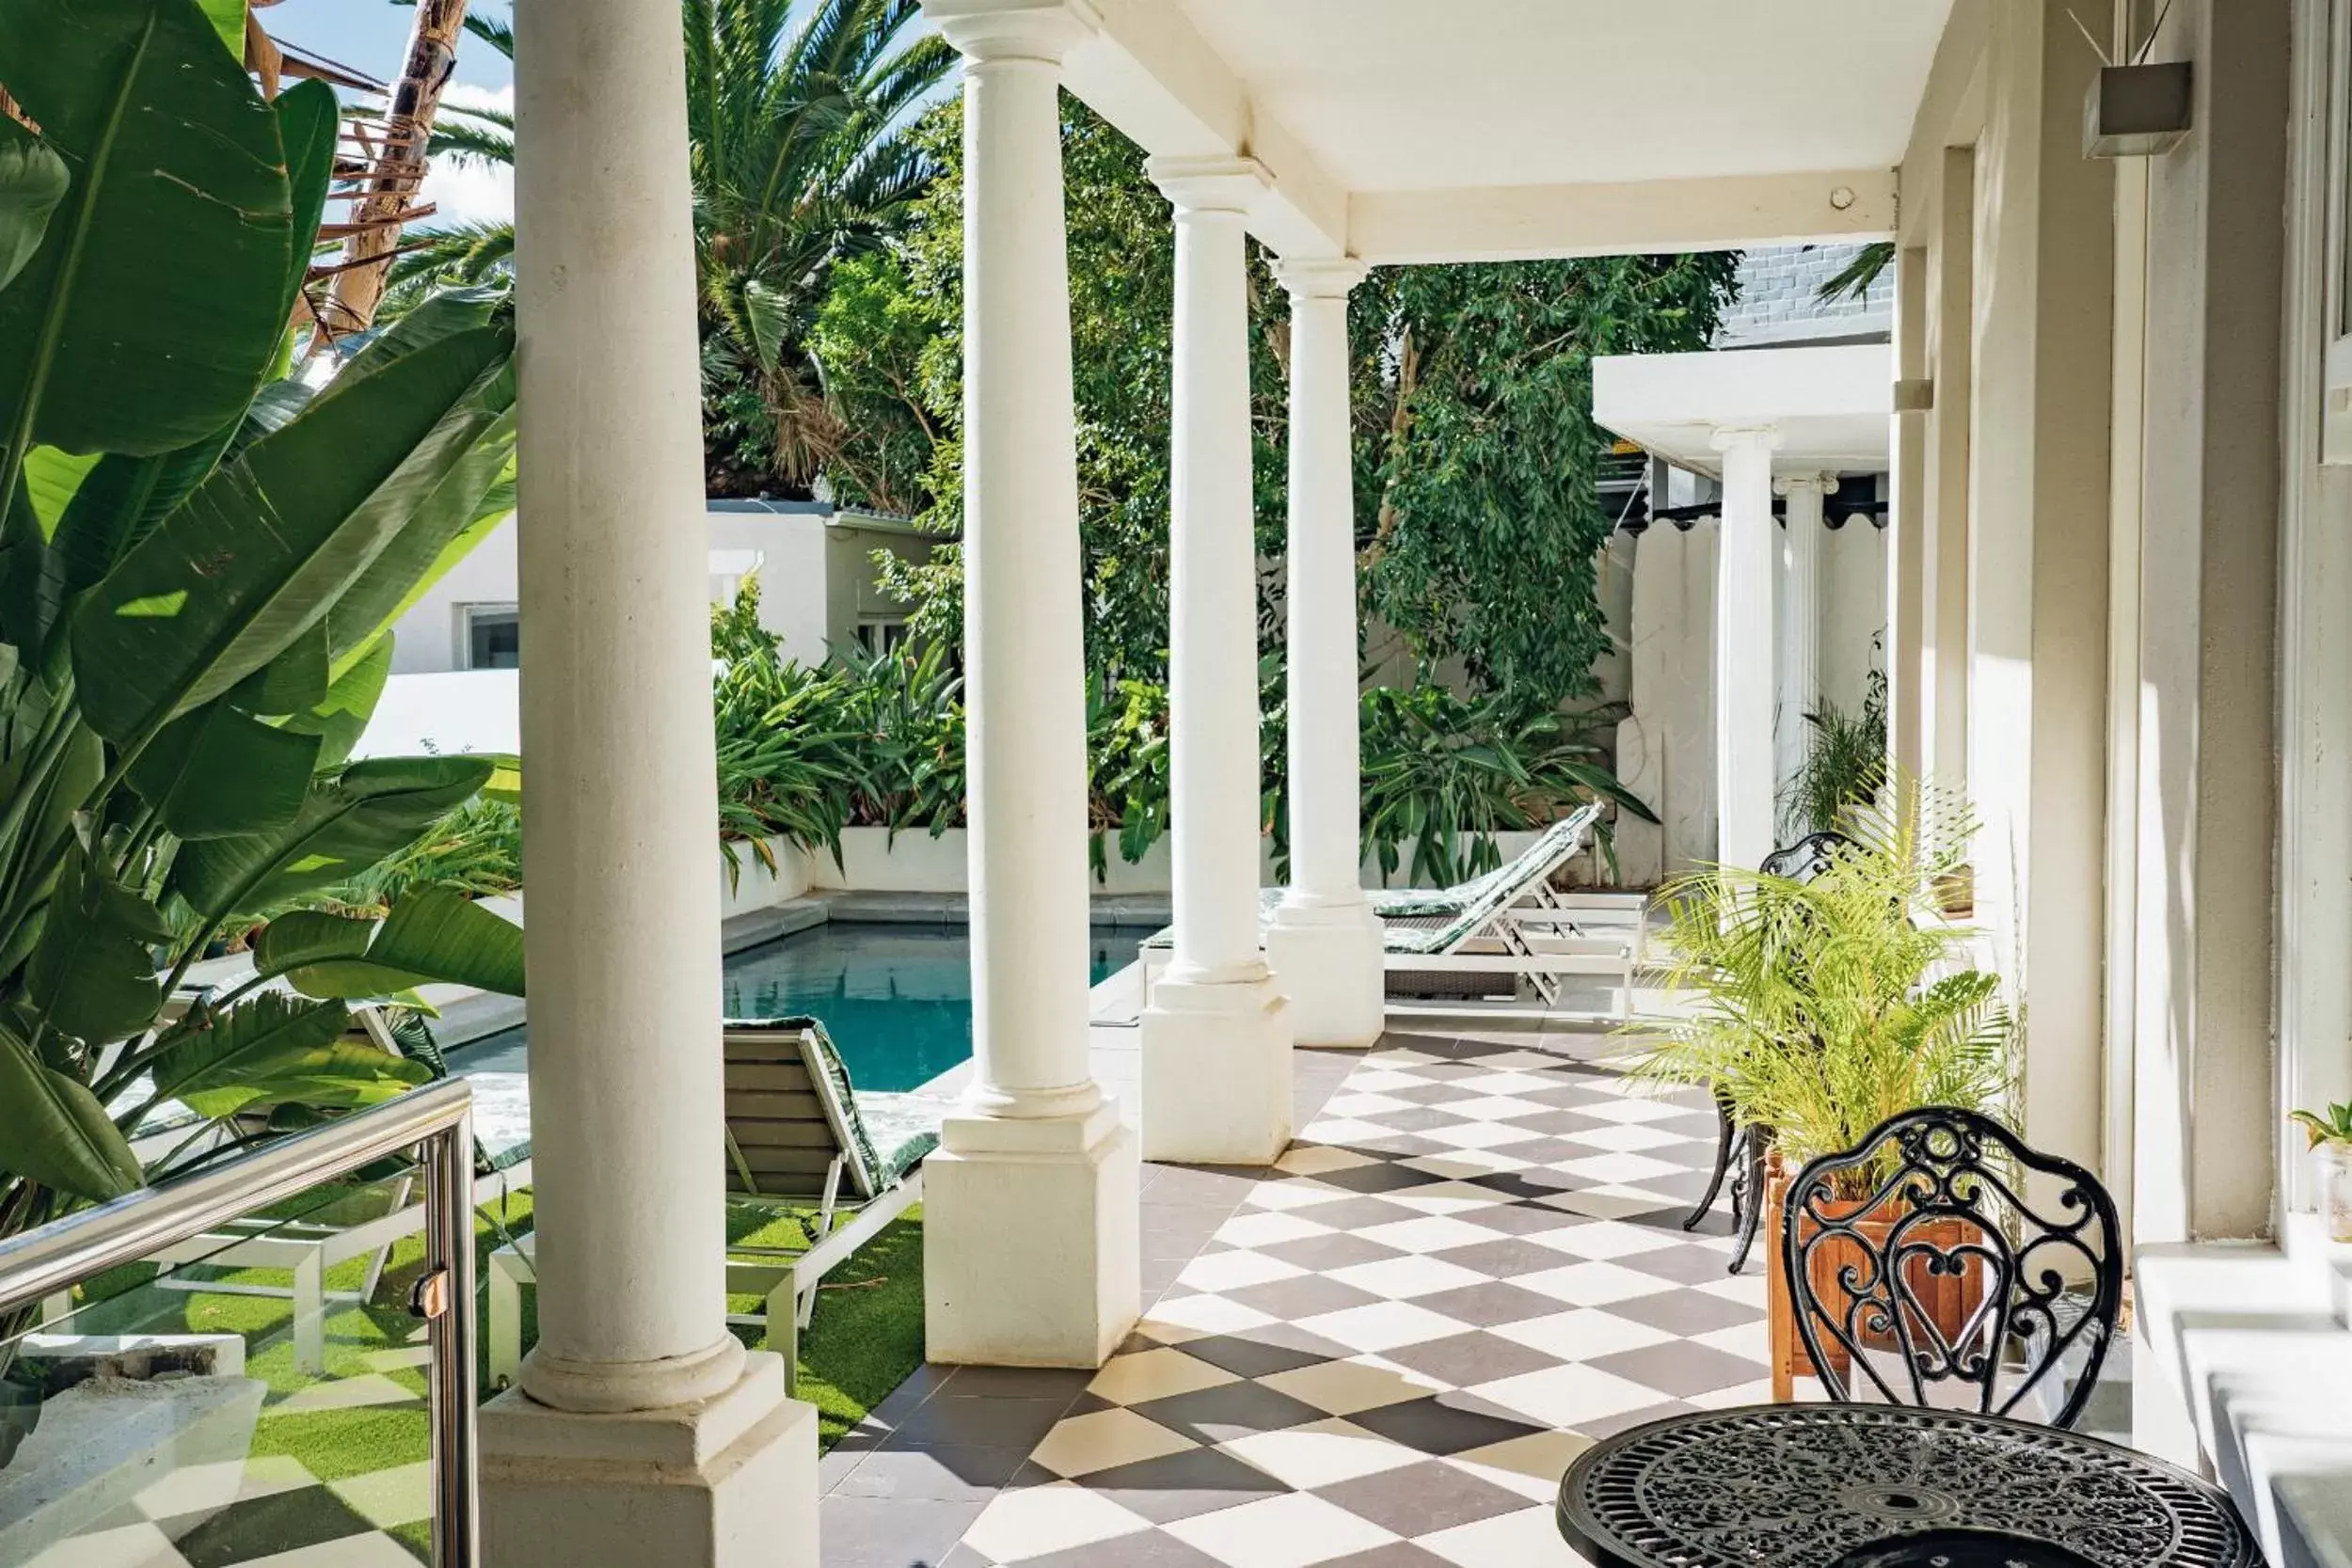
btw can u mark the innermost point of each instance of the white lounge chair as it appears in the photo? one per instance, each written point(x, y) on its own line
point(799, 1136)
point(1509, 921)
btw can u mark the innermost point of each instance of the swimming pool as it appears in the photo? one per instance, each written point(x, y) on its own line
point(896, 998)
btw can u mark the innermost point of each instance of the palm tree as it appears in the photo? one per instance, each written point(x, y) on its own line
point(800, 135)
point(371, 237)
point(802, 155)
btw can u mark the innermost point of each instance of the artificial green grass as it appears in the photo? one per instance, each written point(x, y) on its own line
point(867, 1338)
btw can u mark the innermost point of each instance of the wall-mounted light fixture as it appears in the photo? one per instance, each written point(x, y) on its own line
point(2137, 111)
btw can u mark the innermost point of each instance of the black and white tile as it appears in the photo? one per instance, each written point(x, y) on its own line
point(1469, 1266)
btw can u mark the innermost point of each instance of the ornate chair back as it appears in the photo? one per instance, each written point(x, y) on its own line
point(1805, 859)
point(1943, 1253)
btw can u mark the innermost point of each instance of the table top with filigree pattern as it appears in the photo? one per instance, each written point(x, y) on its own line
point(1814, 1485)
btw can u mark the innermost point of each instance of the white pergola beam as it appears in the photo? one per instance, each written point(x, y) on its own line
point(1149, 72)
point(1534, 222)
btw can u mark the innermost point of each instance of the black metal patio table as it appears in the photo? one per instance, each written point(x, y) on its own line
point(1886, 1486)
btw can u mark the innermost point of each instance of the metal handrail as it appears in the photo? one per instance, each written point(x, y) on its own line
point(440, 1119)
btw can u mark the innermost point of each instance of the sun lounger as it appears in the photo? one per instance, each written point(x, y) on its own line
point(1509, 921)
point(799, 1136)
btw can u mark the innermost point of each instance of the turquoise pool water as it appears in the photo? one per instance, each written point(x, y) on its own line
point(896, 998)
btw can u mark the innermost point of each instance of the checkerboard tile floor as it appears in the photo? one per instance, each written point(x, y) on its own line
point(270, 1511)
point(1469, 1265)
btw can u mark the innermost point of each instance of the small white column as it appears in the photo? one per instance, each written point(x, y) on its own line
point(1743, 649)
point(1325, 943)
point(1030, 1209)
point(1217, 1036)
point(1800, 620)
point(641, 1432)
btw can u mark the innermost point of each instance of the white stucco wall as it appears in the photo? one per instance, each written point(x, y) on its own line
point(814, 581)
point(431, 637)
point(1666, 750)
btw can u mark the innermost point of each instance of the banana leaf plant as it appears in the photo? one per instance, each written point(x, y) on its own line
point(199, 550)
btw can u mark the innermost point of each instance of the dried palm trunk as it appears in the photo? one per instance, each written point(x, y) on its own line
point(373, 229)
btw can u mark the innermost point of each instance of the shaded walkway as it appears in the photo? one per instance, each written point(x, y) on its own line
point(1381, 1353)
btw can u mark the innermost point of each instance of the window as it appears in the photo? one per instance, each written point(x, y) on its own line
point(493, 637)
point(882, 637)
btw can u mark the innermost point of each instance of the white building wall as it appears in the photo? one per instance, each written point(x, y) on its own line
point(810, 586)
point(432, 636)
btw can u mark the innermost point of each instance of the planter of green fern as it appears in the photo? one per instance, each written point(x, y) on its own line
point(1818, 1009)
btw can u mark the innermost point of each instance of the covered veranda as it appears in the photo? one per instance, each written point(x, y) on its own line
point(1341, 136)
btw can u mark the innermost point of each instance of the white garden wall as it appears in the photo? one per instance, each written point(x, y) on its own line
point(873, 861)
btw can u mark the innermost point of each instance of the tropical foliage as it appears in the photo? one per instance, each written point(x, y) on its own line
point(1443, 773)
point(798, 123)
point(1478, 515)
point(199, 557)
point(1820, 1009)
point(1475, 449)
point(878, 740)
point(1845, 763)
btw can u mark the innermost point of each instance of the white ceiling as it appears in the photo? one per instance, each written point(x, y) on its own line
point(1403, 95)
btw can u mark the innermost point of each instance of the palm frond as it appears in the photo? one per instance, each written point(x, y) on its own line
point(1820, 1009)
point(1854, 279)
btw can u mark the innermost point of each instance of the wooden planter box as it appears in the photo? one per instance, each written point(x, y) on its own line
point(1948, 1301)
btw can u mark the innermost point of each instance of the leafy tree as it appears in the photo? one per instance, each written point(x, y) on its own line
point(802, 157)
point(891, 341)
point(1478, 519)
point(1474, 445)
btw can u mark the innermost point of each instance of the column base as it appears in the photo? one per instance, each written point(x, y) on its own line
point(1030, 1250)
point(1217, 1072)
point(1329, 963)
point(725, 1483)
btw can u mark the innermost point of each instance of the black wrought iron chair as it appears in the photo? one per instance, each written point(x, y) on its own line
point(1805, 859)
point(1943, 1251)
point(1800, 862)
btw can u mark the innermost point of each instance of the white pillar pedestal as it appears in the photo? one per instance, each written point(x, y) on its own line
point(1744, 649)
point(642, 1433)
point(1325, 944)
point(1030, 1205)
point(730, 1480)
point(1217, 1038)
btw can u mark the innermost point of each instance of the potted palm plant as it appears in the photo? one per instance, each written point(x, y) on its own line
point(1818, 1009)
point(2331, 1136)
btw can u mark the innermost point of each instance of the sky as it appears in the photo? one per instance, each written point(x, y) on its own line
point(370, 36)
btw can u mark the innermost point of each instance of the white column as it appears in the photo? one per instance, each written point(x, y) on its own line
point(1030, 1205)
point(642, 1432)
point(1325, 943)
point(1799, 668)
point(1217, 1036)
point(1743, 649)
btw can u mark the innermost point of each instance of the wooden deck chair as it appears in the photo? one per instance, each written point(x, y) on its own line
point(797, 1135)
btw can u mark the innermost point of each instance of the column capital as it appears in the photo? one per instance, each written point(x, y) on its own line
point(1216, 185)
point(984, 30)
point(1819, 484)
point(1730, 437)
point(1318, 277)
